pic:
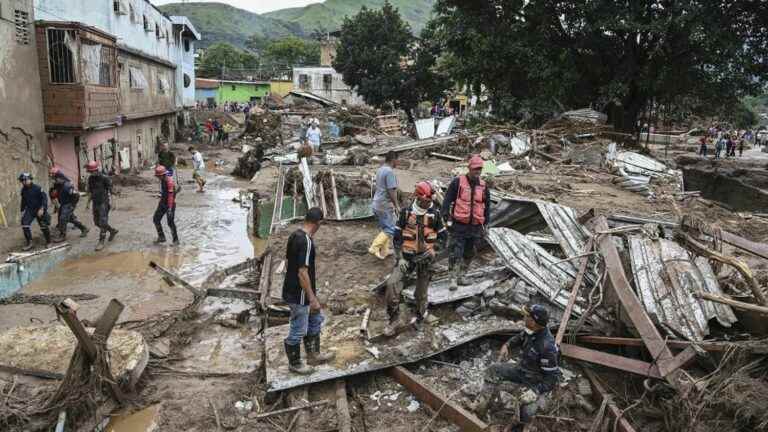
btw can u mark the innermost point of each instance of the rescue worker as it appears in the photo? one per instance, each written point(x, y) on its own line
point(385, 205)
point(166, 206)
point(467, 207)
point(64, 194)
point(418, 229)
point(300, 292)
point(34, 205)
point(100, 189)
point(536, 372)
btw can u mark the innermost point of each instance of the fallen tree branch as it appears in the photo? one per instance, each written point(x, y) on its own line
point(733, 303)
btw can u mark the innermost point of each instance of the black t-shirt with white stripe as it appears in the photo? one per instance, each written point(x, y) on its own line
point(299, 253)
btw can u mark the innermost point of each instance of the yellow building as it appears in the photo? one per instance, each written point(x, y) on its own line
point(280, 87)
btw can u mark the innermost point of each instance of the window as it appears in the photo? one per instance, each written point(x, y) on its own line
point(304, 81)
point(157, 31)
point(61, 59)
point(327, 81)
point(132, 13)
point(162, 84)
point(118, 7)
point(186, 45)
point(136, 79)
point(187, 81)
point(21, 19)
point(105, 67)
point(97, 63)
point(146, 24)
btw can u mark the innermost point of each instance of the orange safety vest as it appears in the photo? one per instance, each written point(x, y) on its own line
point(419, 234)
point(464, 206)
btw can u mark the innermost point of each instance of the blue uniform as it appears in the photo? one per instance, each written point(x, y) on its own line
point(68, 198)
point(32, 200)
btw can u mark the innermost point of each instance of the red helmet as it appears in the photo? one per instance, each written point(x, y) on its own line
point(476, 162)
point(54, 170)
point(423, 190)
point(160, 171)
point(92, 166)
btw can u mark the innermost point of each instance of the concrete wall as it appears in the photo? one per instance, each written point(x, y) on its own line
point(23, 142)
point(338, 91)
point(140, 138)
point(202, 95)
point(280, 87)
point(185, 62)
point(240, 92)
point(149, 101)
point(64, 155)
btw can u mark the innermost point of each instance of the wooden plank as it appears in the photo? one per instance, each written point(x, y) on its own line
point(597, 387)
point(243, 294)
point(335, 196)
point(290, 410)
point(733, 303)
point(322, 199)
point(447, 409)
point(31, 372)
point(683, 358)
point(677, 344)
point(108, 319)
point(265, 280)
point(574, 292)
point(172, 278)
point(626, 364)
point(632, 306)
point(344, 422)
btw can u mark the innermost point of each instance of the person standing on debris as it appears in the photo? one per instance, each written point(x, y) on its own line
point(719, 146)
point(703, 146)
point(419, 227)
point(467, 206)
point(217, 132)
point(167, 159)
point(300, 292)
point(198, 166)
point(536, 371)
point(314, 134)
point(66, 197)
point(166, 206)
point(100, 188)
point(209, 130)
point(385, 205)
point(34, 205)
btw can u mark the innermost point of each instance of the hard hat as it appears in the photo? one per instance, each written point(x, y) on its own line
point(160, 171)
point(423, 190)
point(54, 170)
point(25, 176)
point(539, 314)
point(476, 162)
point(92, 166)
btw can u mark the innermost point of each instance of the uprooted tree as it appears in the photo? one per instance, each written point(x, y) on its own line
point(385, 63)
point(540, 56)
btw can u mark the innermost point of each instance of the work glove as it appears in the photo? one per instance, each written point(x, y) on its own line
point(528, 397)
point(403, 264)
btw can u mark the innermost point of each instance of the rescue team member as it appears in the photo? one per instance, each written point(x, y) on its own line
point(300, 292)
point(537, 369)
point(63, 192)
point(385, 205)
point(166, 206)
point(467, 206)
point(100, 189)
point(34, 205)
point(418, 229)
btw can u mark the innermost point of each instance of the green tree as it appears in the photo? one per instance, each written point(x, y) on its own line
point(220, 57)
point(257, 43)
point(541, 56)
point(293, 51)
point(388, 67)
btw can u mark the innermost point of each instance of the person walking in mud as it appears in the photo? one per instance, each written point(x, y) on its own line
point(418, 229)
point(100, 189)
point(34, 206)
point(198, 167)
point(166, 207)
point(300, 292)
point(167, 159)
point(65, 196)
point(385, 206)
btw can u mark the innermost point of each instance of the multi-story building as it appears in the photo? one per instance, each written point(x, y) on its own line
point(23, 143)
point(116, 77)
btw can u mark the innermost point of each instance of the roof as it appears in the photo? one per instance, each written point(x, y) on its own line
point(186, 24)
point(313, 97)
point(201, 83)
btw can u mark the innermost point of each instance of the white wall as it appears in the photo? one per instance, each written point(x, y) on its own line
point(339, 91)
point(185, 64)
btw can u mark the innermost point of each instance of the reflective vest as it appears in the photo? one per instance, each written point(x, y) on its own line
point(464, 206)
point(419, 234)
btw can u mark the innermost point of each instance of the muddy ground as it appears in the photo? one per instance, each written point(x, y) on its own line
point(213, 233)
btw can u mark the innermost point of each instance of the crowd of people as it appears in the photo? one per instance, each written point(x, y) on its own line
point(722, 140)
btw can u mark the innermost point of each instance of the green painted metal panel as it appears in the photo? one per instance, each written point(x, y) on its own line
point(241, 92)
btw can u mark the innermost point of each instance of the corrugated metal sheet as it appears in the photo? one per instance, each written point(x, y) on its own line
point(634, 183)
point(666, 278)
point(309, 185)
point(445, 126)
point(635, 163)
point(586, 114)
point(425, 128)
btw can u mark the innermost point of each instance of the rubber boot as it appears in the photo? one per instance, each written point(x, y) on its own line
point(100, 245)
point(84, 232)
point(27, 239)
point(295, 365)
point(377, 245)
point(47, 236)
point(27, 245)
point(112, 233)
point(61, 238)
point(160, 239)
point(461, 277)
point(455, 273)
point(385, 249)
point(394, 321)
point(314, 356)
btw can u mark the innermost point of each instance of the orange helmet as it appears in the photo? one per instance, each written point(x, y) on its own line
point(423, 190)
point(92, 166)
point(160, 171)
point(476, 162)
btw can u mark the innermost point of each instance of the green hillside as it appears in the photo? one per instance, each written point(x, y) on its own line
point(219, 22)
point(330, 14)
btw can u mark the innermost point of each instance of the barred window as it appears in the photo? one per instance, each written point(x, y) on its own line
point(61, 56)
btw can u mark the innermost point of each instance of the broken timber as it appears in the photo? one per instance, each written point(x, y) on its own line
point(453, 412)
point(173, 279)
point(414, 145)
point(638, 367)
point(623, 424)
point(342, 408)
point(335, 196)
point(574, 292)
point(675, 344)
point(733, 303)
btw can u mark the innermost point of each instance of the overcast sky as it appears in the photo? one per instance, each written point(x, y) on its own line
point(258, 6)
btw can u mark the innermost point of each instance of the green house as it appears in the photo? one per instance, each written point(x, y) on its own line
point(221, 91)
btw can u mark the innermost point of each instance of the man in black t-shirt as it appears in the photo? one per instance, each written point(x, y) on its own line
point(299, 291)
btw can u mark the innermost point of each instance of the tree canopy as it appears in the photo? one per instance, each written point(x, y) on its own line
point(542, 56)
point(220, 57)
point(293, 51)
point(379, 56)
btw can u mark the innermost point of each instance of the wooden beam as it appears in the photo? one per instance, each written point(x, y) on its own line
point(447, 409)
point(676, 344)
point(614, 361)
point(574, 292)
point(265, 280)
point(290, 410)
point(633, 308)
point(733, 303)
point(108, 319)
point(173, 279)
point(335, 196)
point(602, 394)
point(243, 294)
point(342, 408)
